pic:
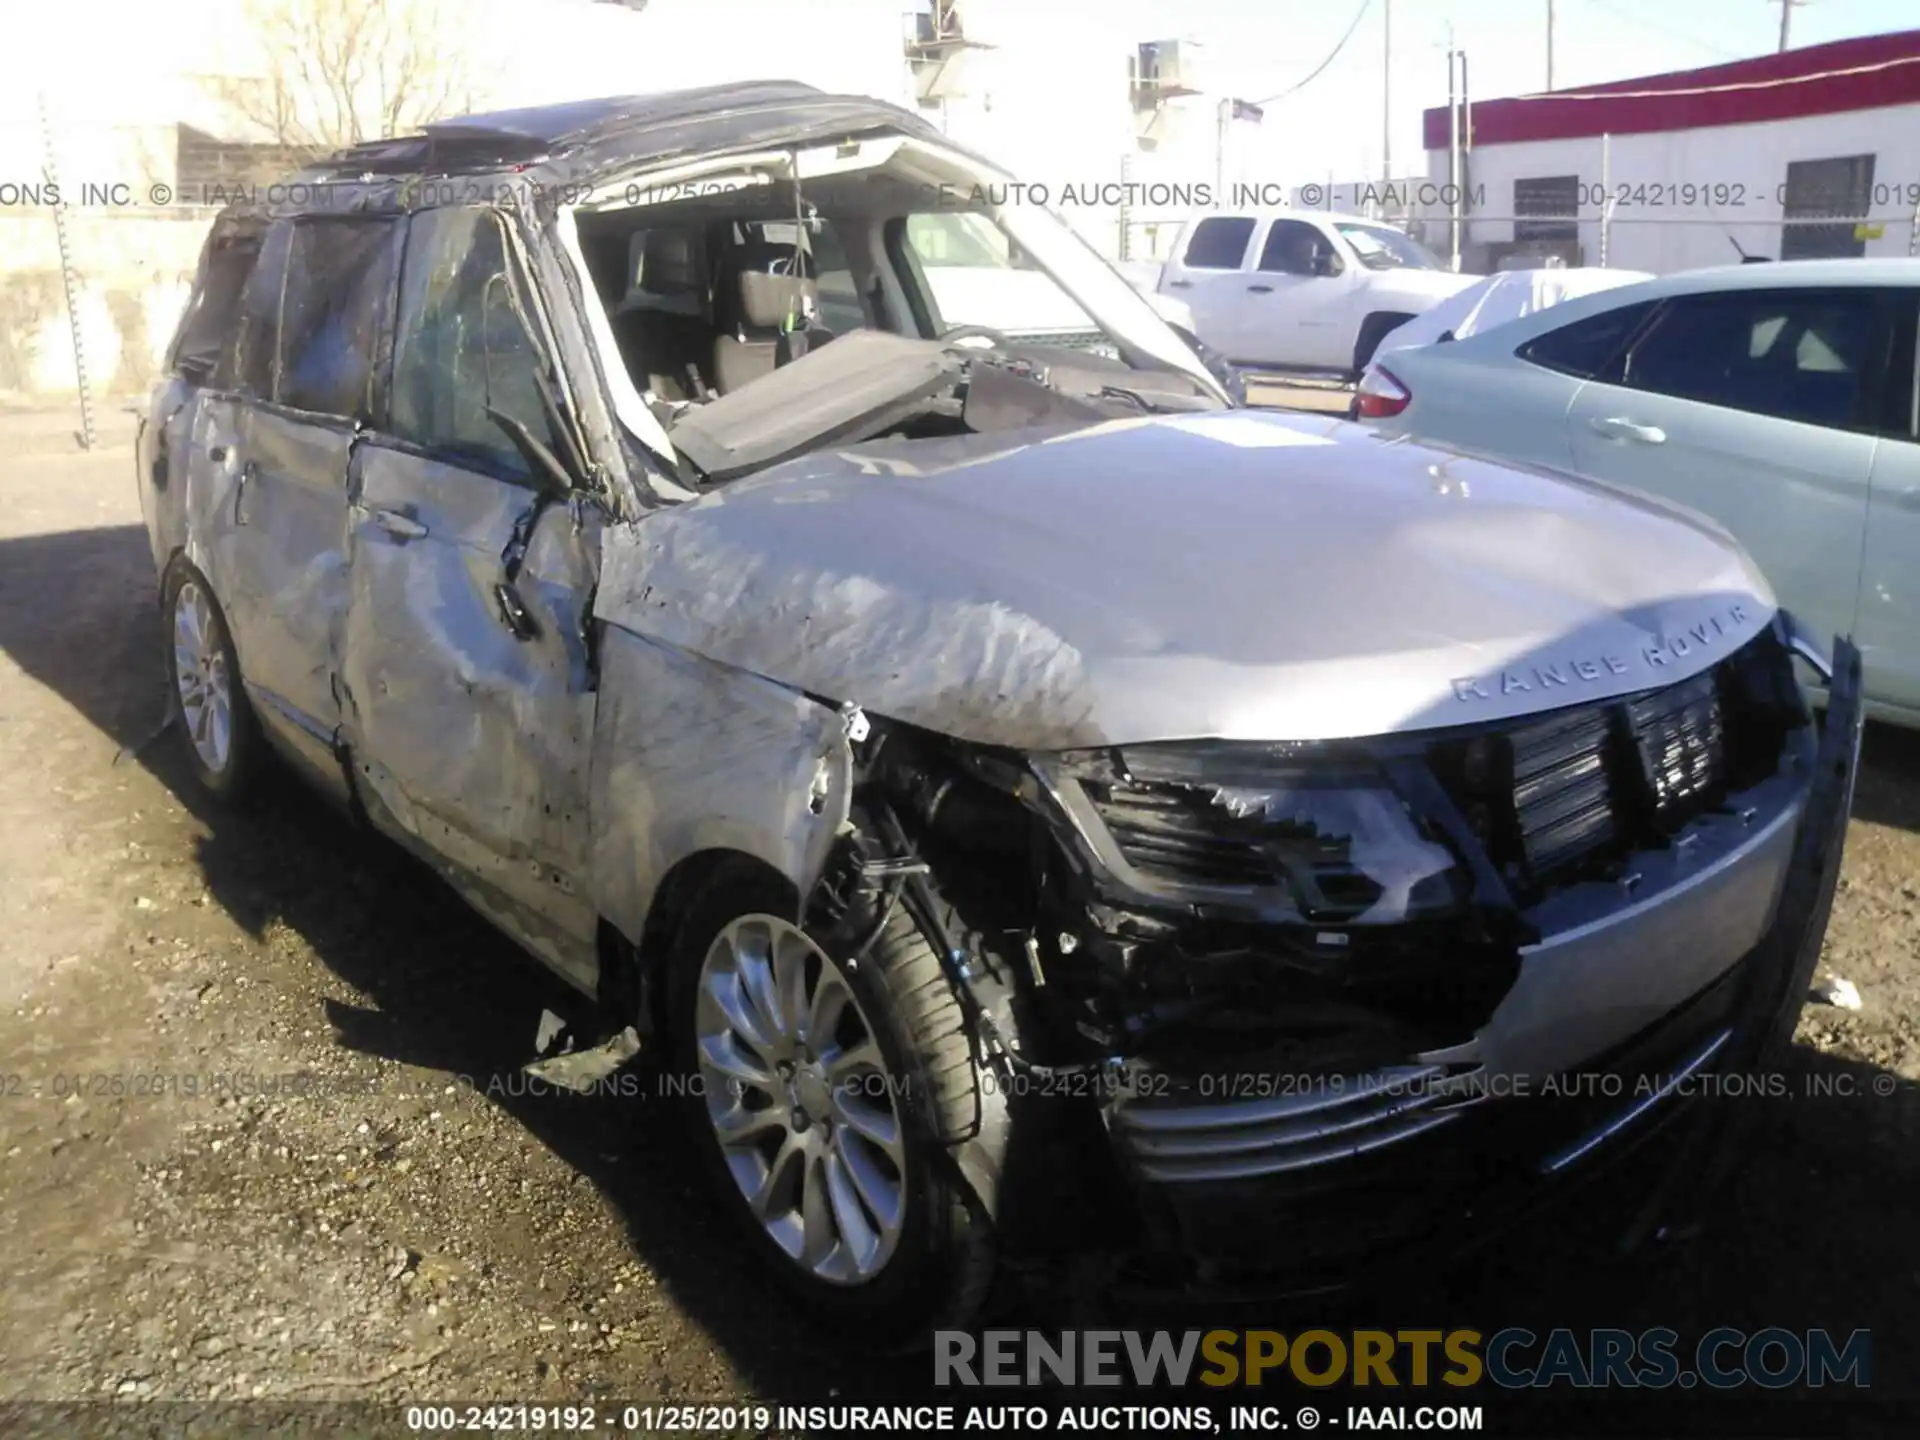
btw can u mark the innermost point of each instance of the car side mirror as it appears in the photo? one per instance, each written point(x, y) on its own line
point(1325, 264)
point(549, 471)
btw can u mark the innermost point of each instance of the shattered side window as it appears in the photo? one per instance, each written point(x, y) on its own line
point(207, 330)
point(248, 364)
point(463, 344)
point(339, 291)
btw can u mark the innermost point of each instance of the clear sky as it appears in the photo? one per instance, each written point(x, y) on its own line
point(1256, 48)
point(1331, 128)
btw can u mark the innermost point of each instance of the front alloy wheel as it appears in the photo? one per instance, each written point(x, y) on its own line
point(836, 1107)
point(801, 1100)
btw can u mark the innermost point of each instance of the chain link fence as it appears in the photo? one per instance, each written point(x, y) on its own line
point(1628, 239)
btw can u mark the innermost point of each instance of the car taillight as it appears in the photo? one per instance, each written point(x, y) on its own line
point(1381, 394)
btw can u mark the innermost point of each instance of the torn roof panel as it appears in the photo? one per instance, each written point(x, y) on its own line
point(586, 140)
point(573, 120)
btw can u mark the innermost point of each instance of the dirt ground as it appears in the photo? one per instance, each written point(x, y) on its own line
point(412, 1224)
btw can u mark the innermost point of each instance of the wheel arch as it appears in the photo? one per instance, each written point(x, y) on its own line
point(698, 765)
point(1375, 326)
point(175, 558)
point(633, 967)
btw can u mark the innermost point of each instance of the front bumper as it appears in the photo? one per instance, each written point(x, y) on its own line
point(1613, 1031)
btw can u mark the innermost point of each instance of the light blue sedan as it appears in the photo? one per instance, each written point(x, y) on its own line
point(1778, 399)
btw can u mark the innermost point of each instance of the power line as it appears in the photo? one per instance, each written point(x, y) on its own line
point(1665, 29)
point(1358, 16)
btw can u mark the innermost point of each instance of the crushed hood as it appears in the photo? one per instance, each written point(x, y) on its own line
point(1236, 575)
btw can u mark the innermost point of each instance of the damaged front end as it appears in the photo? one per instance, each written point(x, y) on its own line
point(1285, 1009)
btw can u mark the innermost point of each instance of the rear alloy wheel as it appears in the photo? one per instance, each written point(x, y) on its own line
point(836, 1107)
point(214, 714)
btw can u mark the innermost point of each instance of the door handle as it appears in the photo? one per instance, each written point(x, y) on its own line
point(1260, 289)
point(247, 472)
point(1618, 427)
point(1179, 284)
point(401, 527)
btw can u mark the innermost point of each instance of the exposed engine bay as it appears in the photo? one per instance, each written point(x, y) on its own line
point(1203, 937)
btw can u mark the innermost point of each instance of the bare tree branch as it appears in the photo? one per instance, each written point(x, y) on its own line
point(331, 73)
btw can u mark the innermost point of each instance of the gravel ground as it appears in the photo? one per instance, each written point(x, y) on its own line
point(414, 1223)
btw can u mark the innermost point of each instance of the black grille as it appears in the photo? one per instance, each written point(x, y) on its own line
point(1553, 798)
point(1586, 785)
point(1562, 793)
point(1680, 734)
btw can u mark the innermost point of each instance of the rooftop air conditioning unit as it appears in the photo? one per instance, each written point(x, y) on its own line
point(1163, 70)
point(936, 48)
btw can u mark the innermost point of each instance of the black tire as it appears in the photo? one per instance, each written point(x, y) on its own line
point(234, 781)
point(942, 1267)
point(1373, 330)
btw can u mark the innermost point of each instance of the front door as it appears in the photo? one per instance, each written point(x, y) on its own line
point(464, 661)
point(1297, 310)
point(1752, 407)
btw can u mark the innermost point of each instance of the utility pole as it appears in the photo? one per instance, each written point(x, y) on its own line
point(1386, 99)
point(1549, 44)
point(1220, 150)
point(1786, 18)
point(1454, 156)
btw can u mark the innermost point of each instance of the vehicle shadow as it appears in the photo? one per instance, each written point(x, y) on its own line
point(1888, 790)
point(1815, 1228)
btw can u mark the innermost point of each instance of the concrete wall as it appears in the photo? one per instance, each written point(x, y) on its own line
point(134, 272)
point(1736, 173)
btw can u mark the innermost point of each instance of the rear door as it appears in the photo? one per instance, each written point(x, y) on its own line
point(464, 660)
point(1753, 406)
point(1490, 395)
point(168, 457)
point(315, 307)
point(1888, 632)
point(1208, 272)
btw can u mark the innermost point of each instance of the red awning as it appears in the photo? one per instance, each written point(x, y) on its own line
point(1861, 74)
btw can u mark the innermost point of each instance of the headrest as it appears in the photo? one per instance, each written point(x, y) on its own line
point(670, 263)
point(770, 257)
point(768, 301)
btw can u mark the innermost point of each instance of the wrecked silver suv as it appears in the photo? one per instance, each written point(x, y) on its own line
point(1029, 801)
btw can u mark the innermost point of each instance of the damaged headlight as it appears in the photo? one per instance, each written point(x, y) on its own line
point(1221, 822)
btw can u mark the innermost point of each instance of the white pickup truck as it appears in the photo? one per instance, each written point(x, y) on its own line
point(1301, 290)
